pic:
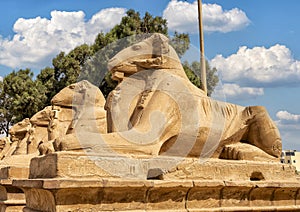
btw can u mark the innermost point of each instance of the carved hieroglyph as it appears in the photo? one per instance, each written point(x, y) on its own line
point(156, 110)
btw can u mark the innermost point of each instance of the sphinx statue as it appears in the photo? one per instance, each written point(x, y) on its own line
point(156, 110)
point(25, 136)
point(66, 112)
point(5, 147)
point(29, 136)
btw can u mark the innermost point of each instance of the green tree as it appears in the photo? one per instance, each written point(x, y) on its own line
point(130, 25)
point(6, 117)
point(45, 81)
point(181, 43)
point(68, 66)
point(193, 73)
point(152, 24)
point(21, 97)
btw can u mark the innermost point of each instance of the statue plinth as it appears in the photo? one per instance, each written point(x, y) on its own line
point(14, 167)
point(71, 181)
point(77, 165)
point(156, 195)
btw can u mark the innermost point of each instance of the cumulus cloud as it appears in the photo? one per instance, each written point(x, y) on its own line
point(285, 115)
point(250, 70)
point(1, 78)
point(288, 123)
point(287, 118)
point(104, 20)
point(234, 91)
point(259, 66)
point(289, 126)
point(38, 40)
point(182, 16)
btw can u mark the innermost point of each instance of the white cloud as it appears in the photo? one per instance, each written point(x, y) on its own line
point(259, 67)
point(104, 20)
point(183, 17)
point(38, 40)
point(230, 91)
point(287, 117)
point(287, 121)
point(289, 126)
point(1, 78)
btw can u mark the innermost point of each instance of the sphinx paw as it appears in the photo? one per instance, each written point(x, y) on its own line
point(233, 152)
point(243, 151)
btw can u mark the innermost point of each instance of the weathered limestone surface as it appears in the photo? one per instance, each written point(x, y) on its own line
point(11, 198)
point(66, 165)
point(155, 195)
point(70, 181)
point(13, 167)
point(77, 165)
point(139, 150)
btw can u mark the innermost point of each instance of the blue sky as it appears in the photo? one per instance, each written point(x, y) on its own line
point(254, 46)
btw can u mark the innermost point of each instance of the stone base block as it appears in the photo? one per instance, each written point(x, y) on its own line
point(73, 181)
point(78, 165)
point(16, 166)
point(230, 170)
point(65, 165)
point(11, 172)
point(155, 195)
point(11, 206)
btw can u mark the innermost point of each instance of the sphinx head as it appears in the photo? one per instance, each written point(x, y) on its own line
point(77, 94)
point(152, 53)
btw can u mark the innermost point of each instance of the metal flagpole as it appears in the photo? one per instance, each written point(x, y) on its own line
point(202, 57)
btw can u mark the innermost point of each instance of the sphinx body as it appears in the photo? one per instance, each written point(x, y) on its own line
point(156, 110)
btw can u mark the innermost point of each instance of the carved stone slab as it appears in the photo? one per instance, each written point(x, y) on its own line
point(80, 165)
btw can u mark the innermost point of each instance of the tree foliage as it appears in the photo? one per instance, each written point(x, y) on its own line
point(46, 82)
point(21, 97)
point(180, 43)
point(67, 67)
point(193, 73)
point(6, 117)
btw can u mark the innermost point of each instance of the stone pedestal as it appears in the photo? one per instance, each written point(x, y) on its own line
point(154, 195)
point(67, 181)
point(76, 165)
point(15, 167)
